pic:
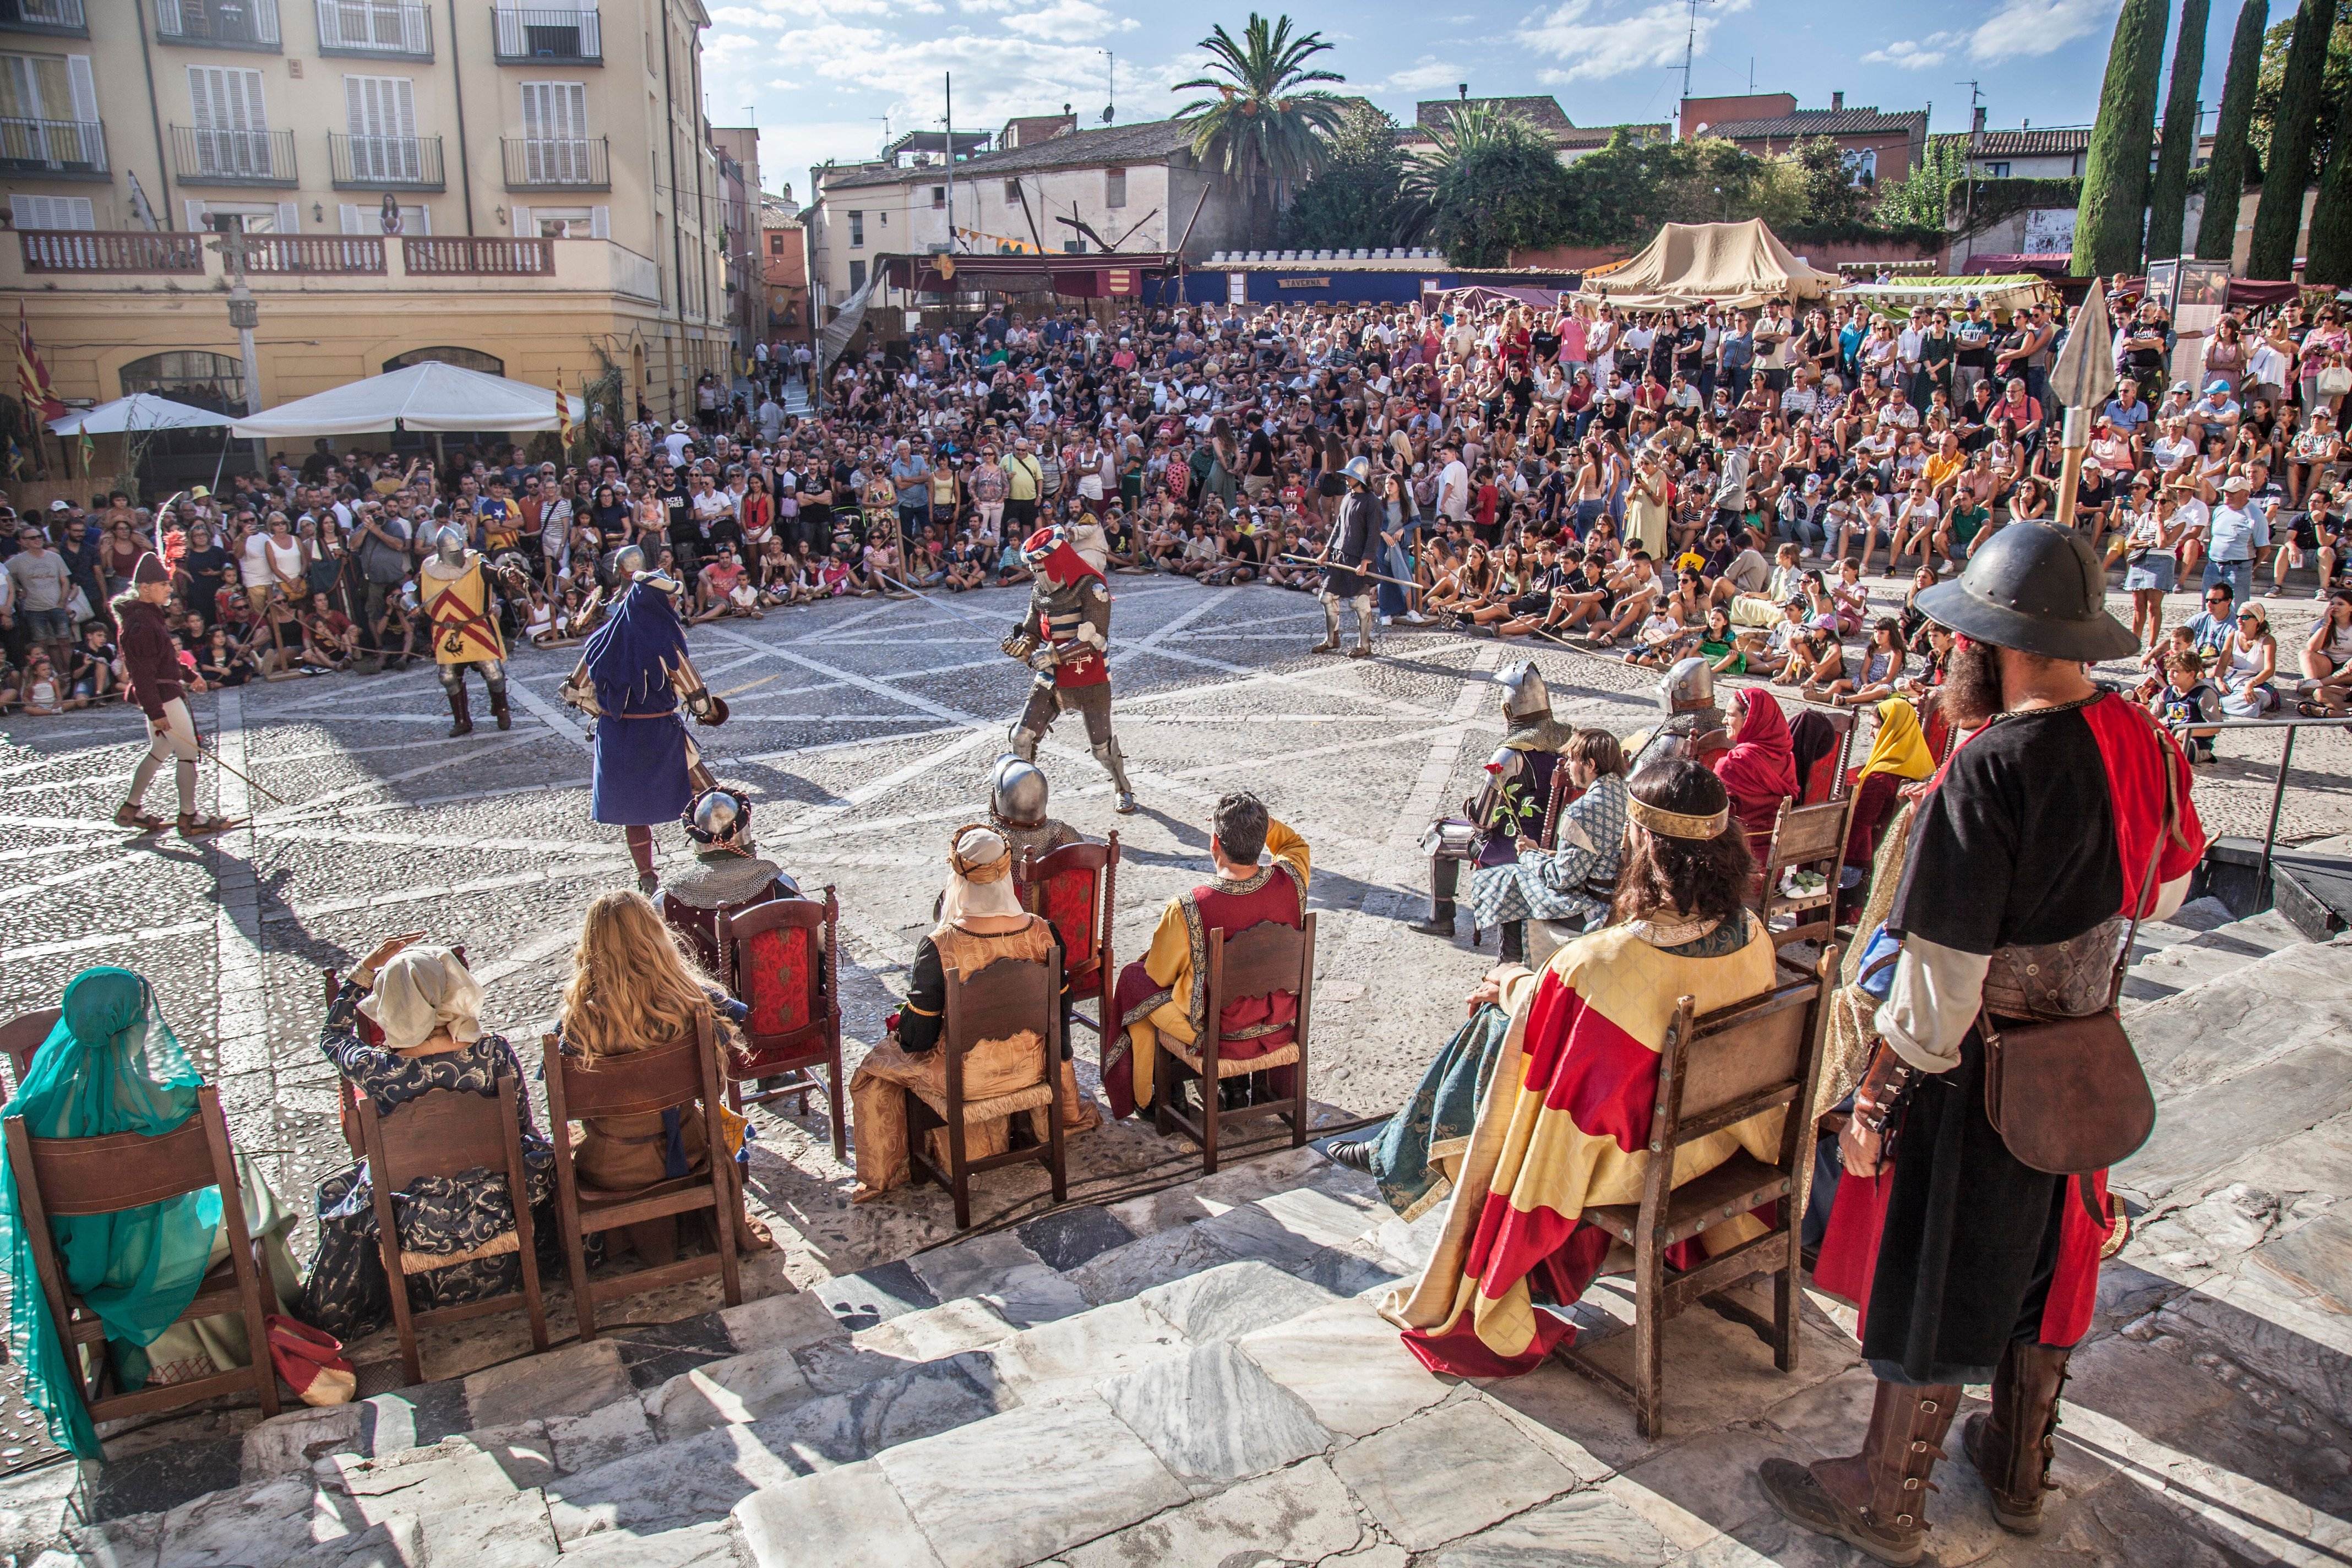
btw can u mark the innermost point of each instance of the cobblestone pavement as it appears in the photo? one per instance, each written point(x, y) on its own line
point(864, 729)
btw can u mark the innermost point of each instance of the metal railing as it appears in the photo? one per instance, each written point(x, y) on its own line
point(455, 255)
point(66, 148)
point(64, 17)
point(297, 255)
point(203, 156)
point(547, 37)
point(557, 163)
point(386, 162)
point(383, 28)
point(84, 251)
point(2183, 728)
point(219, 24)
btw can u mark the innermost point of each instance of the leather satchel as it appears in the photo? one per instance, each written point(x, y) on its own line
point(2067, 1095)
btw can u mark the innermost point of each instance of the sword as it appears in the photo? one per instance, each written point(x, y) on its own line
point(941, 604)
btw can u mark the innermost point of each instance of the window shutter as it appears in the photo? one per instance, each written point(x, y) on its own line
point(167, 16)
point(421, 223)
point(355, 116)
point(403, 106)
point(290, 218)
point(352, 222)
point(600, 223)
point(84, 87)
point(200, 102)
point(525, 226)
point(195, 214)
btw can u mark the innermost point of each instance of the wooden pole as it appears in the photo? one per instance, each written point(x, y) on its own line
point(2076, 437)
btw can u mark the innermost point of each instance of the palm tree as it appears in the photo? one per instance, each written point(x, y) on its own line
point(1265, 130)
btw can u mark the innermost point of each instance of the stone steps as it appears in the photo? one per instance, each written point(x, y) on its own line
point(2199, 944)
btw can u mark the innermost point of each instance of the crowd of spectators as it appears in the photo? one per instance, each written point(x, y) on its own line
point(1655, 484)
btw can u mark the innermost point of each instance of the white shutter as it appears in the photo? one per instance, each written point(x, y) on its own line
point(290, 218)
point(600, 223)
point(167, 16)
point(196, 214)
point(83, 86)
point(52, 212)
point(352, 222)
point(524, 226)
point(417, 219)
point(200, 95)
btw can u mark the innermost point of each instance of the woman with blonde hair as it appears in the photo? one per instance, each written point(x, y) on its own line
point(980, 922)
point(633, 988)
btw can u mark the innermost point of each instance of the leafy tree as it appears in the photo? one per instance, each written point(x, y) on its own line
point(2225, 177)
point(2167, 199)
point(2277, 44)
point(1357, 199)
point(2328, 257)
point(1266, 129)
point(2107, 227)
point(1490, 184)
point(2294, 128)
point(1922, 197)
point(1826, 189)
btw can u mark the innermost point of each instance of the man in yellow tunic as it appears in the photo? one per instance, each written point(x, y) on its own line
point(1157, 994)
point(453, 588)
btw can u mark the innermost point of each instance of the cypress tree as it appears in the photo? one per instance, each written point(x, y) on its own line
point(2115, 176)
point(2225, 177)
point(2294, 128)
point(2168, 200)
point(2329, 257)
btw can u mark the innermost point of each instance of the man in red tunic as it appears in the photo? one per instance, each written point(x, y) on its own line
point(1162, 992)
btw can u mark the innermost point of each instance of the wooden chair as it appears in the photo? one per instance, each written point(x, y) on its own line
point(1806, 838)
point(446, 1133)
point(1008, 996)
point(347, 1110)
point(1717, 1070)
point(782, 963)
point(640, 1084)
point(58, 1178)
point(1076, 888)
point(1266, 959)
point(20, 1036)
point(1826, 779)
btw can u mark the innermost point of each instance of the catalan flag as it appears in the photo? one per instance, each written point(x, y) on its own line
point(562, 414)
point(40, 398)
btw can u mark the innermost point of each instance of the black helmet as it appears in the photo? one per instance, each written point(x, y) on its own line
point(2036, 588)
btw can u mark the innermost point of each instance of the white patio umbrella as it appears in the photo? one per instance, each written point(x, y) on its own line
point(140, 411)
point(427, 397)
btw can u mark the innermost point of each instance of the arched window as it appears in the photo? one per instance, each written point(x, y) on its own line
point(189, 375)
point(468, 358)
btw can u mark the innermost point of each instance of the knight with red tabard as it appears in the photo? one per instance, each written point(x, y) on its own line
point(1064, 636)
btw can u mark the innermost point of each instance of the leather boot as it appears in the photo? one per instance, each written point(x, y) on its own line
point(2012, 1447)
point(499, 708)
point(1330, 643)
point(1515, 942)
point(1363, 647)
point(1877, 1499)
point(457, 711)
point(1440, 922)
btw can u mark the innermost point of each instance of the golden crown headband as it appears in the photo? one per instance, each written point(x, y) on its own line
point(1678, 823)
point(981, 870)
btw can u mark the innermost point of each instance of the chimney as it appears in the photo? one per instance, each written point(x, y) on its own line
point(1837, 102)
point(1977, 124)
point(1462, 91)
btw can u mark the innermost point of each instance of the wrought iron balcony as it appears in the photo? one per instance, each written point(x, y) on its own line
point(202, 156)
point(386, 162)
point(57, 148)
point(554, 38)
point(59, 18)
point(557, 164)
point(375, 29)
point(219, 24)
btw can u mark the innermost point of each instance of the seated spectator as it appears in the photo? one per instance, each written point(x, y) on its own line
point(728, 875)
point(1574, 881)
point(2248, 667)
point(2327, 658)
point(456, 1233)
point(1760, 767)
point(1899, 756)
point(2187, 703)
point(632, 989)
point(1881, 671)
point(112, 1065)
point(980, 922)
point(1584, 1033)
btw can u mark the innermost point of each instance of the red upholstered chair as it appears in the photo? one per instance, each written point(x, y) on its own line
point(347, 1109)
point(1825, 780)
point(1076, 888)
point(781, 960)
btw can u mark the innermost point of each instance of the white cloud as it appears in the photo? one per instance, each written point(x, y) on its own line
point(2036, 27)
point(1068, 21)
point(1915, 54)
point(1595, 39)
point(1425, 75)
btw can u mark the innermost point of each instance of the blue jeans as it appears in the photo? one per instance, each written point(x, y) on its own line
point(2239, 575)
point(1807, 534)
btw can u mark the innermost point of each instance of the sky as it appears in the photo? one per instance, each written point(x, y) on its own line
point(819, 79)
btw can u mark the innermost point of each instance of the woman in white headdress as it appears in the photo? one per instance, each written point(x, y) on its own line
point(980, 922)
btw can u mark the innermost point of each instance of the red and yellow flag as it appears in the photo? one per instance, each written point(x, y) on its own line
point(562, 414)
point(33, 385)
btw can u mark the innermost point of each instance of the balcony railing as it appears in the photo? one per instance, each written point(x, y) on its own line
point(379, 29)
point(284, 255)
point(557, 164)
point(51, 250)
point(219, 24)
point(63, 18)
point(59, 149)
point(201, 156)
point(386, 162)
point(462, 257)
point(554, 38)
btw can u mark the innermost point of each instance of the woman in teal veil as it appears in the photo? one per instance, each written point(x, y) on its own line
point(112, 1065)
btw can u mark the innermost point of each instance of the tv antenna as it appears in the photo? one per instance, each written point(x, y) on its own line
point(1690, 46)
point(1111, 85)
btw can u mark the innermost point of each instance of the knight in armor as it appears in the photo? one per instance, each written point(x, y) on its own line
point(1510, 805)
point(632, 678)
point(1355, 543)
point(1693, 725)
point(1017, 797)
point(453, 589)
point(1064, 636)
point(727, 876)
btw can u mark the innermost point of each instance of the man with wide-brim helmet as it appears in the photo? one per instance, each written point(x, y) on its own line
point(2062, 816)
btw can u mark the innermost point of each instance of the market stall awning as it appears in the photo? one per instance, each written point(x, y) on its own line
point(140, 411)
point(427, 397)
point(1739, 264)
point(2011, 292)
point(1101, 276)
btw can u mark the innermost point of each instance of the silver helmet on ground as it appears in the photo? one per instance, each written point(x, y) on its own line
point(1525, 696)
point(1017, 793)
point(1688, 687)
point(720, 816)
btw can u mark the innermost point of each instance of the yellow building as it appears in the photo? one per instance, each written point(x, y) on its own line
point(513, 187)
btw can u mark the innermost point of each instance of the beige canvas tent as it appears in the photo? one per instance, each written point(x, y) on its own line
point(1739, 264)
